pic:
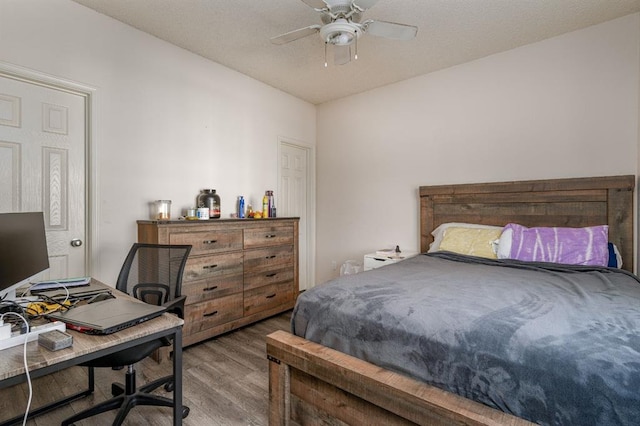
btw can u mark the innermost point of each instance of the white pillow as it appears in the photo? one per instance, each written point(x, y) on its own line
point(504, 244)
point(438, 233)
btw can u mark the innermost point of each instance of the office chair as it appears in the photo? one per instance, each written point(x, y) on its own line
point(153, 274)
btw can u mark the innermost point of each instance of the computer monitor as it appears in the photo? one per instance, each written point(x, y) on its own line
point(23, 250)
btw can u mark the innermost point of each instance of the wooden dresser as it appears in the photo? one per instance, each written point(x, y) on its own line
point(239, 270)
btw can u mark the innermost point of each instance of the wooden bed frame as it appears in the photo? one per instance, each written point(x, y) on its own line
point(312, 384)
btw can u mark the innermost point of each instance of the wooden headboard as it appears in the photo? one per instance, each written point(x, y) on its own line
point(555, 202)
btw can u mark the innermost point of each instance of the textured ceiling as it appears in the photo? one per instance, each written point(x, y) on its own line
point(236, 33)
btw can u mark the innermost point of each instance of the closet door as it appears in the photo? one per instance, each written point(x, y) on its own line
point(293, 199)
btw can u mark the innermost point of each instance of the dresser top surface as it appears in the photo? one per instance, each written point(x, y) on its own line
point(210, 221)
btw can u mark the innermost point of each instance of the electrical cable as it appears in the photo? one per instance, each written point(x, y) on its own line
point(24, 360)
point(64, 305)
point(7, 306)
point(28, 312)
point(66, 289)
point(39, 308)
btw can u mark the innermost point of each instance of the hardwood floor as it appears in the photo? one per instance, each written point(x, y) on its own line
point(225, 383)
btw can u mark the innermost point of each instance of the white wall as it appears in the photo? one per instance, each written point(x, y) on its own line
point(564, 107)
point(169, 122)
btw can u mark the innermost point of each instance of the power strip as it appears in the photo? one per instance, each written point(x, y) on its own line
point(32, 335)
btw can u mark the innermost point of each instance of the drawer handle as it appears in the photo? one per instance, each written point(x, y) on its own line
point(210, 314)
point(379, 260)
point(209, 241)
point(273, 274)
point(271, 296)
point(270, 236)
point(273, 256)
point(210, 288)
point(209, 266)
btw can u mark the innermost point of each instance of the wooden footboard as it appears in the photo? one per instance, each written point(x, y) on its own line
point(312, 384)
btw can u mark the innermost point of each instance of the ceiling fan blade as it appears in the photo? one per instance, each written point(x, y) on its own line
point(316, 4)
point(341, 54)
point(390, 30)
point(295, 34)
point(365, 4)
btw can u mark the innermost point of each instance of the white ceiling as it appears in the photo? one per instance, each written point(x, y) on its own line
point(236, 33)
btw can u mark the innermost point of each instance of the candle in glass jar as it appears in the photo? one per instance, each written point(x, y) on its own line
point(163, 209)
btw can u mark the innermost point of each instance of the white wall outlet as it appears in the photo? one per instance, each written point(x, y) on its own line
point(334, 265)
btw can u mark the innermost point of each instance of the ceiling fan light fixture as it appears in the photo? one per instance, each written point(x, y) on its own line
point(341, 38)
point(340, 33)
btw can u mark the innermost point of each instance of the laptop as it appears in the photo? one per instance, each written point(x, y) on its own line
point(82, 292)
point(107, 316)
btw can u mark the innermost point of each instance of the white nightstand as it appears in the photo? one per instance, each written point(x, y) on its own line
point(373, 260)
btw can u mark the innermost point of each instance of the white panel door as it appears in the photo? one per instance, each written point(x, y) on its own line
point(294, 168)
point(42, 167)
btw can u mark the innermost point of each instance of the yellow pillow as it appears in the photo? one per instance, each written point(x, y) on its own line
point(471, 241)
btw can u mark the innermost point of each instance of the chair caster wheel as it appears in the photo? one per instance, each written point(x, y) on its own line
point(169, 387)
point(185, 411)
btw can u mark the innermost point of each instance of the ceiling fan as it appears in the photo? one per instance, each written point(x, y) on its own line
point(343, 26)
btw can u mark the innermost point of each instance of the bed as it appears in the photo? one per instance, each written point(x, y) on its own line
point(311, 383)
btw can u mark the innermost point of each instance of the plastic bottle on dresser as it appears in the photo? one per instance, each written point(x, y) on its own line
point(241, 207)
point(209, 199)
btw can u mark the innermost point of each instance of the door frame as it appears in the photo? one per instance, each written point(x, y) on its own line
point(311, 202)
point(89, 93)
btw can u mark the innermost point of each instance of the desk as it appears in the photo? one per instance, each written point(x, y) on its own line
point(85, 348)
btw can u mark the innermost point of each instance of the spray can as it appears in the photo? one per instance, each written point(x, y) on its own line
point(265, 205)
point(241, 207)
point(272, 204)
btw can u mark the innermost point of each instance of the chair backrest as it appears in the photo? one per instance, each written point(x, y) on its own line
point(153, 272)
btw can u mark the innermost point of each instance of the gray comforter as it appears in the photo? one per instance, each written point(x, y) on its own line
point(548, 343)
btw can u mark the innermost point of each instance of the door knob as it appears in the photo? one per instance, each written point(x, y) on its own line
point(76, 242)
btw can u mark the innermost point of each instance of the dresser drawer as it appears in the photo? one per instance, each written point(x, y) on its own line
point(267, 297)
point(212, 288)
point(204, 315)
point(373, 260)
point(267, 258)
point(205, 242)
point(206, 267)
point(274, 276)
point(268, 236)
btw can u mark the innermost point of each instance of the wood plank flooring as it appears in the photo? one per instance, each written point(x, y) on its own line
point(225, 382)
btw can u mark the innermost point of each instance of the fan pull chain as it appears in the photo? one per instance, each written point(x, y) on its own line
point(356, 53)
point(325, 54)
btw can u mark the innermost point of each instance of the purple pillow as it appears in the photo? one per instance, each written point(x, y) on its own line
point(573, 246)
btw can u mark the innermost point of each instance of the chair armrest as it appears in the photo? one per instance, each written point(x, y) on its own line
point(176, 306)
